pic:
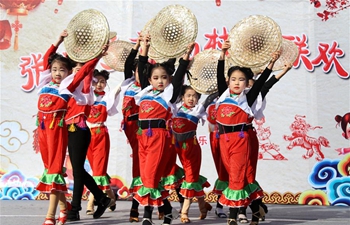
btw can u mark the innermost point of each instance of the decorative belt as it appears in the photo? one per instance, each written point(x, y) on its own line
point(145, 124)
point(133, 117)
point(184, 136)
point(237, 128)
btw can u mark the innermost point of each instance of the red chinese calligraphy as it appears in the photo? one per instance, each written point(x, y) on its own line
point(328, 55)
point(31, 67)
point(202, 140)
point(303, 51)
point(214, 40)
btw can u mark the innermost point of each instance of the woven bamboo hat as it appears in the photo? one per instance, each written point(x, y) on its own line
point(203, 69)
point(112, 34)
point(152, 53)
point(253, 40)
point(173, 28)
point(289, 53)
point(118, 51)
point(88, 32)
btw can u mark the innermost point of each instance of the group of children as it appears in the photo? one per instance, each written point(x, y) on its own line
point(160, 119)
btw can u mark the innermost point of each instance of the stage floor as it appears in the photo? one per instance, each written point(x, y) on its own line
point(33, 213)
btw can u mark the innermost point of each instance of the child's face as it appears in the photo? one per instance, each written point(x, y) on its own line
point(100, 84)
point(159, 79)
point(77, 67)
point(59, 71)
point(348, 131)
point(190, 98)
point(237, 82)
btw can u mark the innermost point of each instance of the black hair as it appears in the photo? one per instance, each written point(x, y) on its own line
point(103, 73)
point(74, 63)
point(60, 58)
point(168, 66)
point(248, 73)
point(146, 71)
point(185, 87)
point(134, 65)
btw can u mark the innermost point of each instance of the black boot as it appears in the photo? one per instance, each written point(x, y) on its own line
point(73, 215)
point(103, 204)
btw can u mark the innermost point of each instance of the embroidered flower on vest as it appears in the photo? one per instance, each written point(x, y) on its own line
point(146, 107)
point(126, 104)
point(227, 112)
point(94, 112)
point(178, 124)
point(45, 101)
point(212, 114)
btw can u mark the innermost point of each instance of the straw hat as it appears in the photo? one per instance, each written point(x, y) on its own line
point(88, 32)
point(253, 40)
point(152, 53)
point(112, 34)
point(289, 53)
point(118, 51)
point(203, 69)
point(173, 28)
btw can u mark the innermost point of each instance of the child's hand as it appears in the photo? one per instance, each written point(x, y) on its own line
point(63, 35)
point(287, 67)
point(146, 40)
point(190, 48)
point(104, 51)
point(61, 38)
point(275, 56)
point(226, 45)
point(138, 42)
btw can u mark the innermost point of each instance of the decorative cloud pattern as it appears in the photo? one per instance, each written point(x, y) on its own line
point(344, 166)
point(12, 135)
point(338, 191)
point(313, 197)
point(15, 186)
point(323, 172)
point(6, 164)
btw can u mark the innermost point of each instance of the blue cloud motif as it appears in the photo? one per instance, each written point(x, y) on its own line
point(323, 172)
point(15, 186)
point(338, 191)
point(341, 202)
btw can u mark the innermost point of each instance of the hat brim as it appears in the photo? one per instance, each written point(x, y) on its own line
point(253, 40)
point(173, 28)
point(117, 53)
point(203, 69)
point(88, 32)
point(289, 53)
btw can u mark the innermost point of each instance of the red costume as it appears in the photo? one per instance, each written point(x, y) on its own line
point(222, 182)
point(52, 132)
point(98, 152)
point(184, 126)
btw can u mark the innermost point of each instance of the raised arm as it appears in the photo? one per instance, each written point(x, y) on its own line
point(220, 74)
point(129, 62)
point(53, 48)
point(259, 83)
point(178, 78)
point(143, 59)
point(84, 71)
point(210, 99)
point(274, 79)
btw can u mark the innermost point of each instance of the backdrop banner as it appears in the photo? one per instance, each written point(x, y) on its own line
point(304, 155)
